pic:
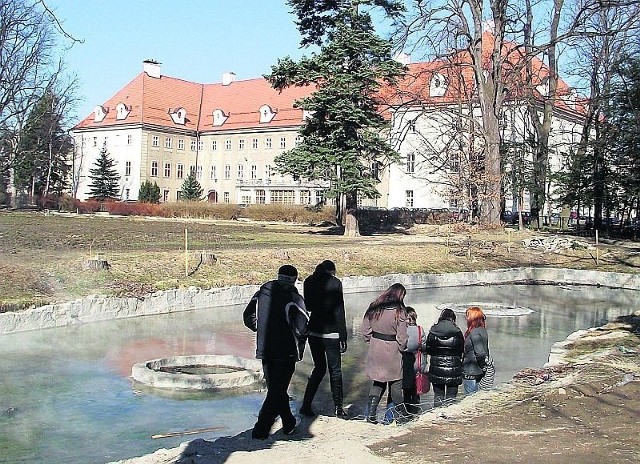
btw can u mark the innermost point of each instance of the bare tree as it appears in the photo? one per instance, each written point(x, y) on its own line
point(29, 67)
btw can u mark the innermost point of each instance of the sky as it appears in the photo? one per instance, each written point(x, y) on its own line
point(195, 40)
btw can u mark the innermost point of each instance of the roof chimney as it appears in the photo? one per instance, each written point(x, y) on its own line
point(152, 68)
point(228, 78)
point(403, 58)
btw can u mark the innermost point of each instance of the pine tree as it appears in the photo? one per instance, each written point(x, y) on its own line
point(149, 193)
point(41, 160)
point(104, 178)
point(343, 139)
point(191, 189)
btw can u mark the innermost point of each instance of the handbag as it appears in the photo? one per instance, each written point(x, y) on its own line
point(422, 378)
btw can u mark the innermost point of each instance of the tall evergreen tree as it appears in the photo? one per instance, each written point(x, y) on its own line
point(104, 177)
point(343, 139)
point(41, 164)
point(191, 189)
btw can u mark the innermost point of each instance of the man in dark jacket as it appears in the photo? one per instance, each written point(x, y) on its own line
point(277, 314)
point(327, 334)
point(445, 344)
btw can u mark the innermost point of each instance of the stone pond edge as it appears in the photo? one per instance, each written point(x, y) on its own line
point(97, 308)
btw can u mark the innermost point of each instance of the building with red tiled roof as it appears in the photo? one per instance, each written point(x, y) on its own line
point(160, 128)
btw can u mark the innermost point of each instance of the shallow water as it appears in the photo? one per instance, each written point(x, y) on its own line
point(66, 395)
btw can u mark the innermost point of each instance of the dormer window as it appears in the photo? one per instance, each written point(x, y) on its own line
point(178, 115)
point(219, 117)
point(122, 111)
point(543, 88)
point(99, 113)
point(437, 86)
point(267, 113)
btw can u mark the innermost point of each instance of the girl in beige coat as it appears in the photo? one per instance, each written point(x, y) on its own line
point(384, 328)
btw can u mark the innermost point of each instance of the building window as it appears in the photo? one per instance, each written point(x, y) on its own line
point(155, 141)
point(168, 142)
point(267, 171)
point(305, 197)
point(375, 170)
point(246, 200)
point(165, 195)
point(214, 145)
point(227, 171)
point(212, 173)
point(241, 144)
point(254, 144)
point(298, 140)
point(319, 197)
point(180, 144)
point(412, 126)
point(254, 171)
point(283, 197)
point(240, 171)
point(454, 163)
point(179, 195)
point(127, 168)
point(411, 162)
point(261, 197)
point(193, 145)
point(200, 145)
point(129, 139)
point(199, 172)
point(227, 144)
point(180, 171)
point(167, 169)
point(409, 198)
point(106, 141)
point(283, 142)
point(226, 197)
point(154, 169)
point(95, 141)
point(192, 170)
point(267, 142)
point(126, 194)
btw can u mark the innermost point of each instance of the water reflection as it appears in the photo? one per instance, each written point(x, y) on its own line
point(66, 395)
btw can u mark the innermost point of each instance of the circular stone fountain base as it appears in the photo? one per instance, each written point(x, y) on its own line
point(489, 309)
point(198, 372)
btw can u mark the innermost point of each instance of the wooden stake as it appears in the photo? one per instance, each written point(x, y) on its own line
point(186, 253)
point(596, 247)
point(187, 432)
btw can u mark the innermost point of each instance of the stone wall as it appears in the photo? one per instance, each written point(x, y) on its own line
point(99, 308)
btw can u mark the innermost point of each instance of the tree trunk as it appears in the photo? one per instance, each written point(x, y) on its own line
point(350, 216)
point(96, 264)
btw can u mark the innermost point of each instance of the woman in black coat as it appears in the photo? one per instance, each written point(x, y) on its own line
point(445, 345)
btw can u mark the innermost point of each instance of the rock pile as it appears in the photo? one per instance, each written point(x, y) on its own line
point(556, 243)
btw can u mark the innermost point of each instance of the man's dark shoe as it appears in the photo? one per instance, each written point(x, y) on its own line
point(259, 434)
point(290, 428)
point(341, 413)
point(307, 411)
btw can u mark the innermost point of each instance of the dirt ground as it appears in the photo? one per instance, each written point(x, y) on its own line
point(596, 421)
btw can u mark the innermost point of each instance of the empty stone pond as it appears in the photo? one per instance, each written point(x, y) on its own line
point(67, 394)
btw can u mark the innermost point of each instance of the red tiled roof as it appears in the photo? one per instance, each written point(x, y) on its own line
point(150, 99)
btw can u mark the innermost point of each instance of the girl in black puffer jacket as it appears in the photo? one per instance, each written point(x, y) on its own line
point(445, 345)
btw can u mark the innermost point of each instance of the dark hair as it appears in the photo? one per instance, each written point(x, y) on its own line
point(328, 265)
point(394, 295)
point(447, 315)
point(412, 316)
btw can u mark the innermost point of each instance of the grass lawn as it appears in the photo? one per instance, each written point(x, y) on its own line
point(43, 257)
